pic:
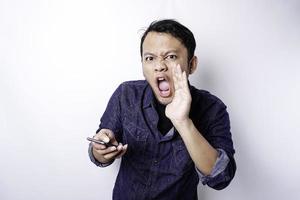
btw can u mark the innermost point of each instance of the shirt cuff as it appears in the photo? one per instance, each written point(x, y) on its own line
point(95, 161)
point(220, 165)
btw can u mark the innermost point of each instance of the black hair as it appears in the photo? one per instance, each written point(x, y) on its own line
point(177, 30)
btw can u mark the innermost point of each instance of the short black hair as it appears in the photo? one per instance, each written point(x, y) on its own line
point(177, 30)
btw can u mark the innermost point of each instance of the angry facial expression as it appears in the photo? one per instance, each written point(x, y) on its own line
point(161, 53)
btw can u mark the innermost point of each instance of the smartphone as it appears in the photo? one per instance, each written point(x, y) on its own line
point(101, 142)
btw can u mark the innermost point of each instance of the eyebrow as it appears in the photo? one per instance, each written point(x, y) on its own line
point(148, 54)
point(165, 53)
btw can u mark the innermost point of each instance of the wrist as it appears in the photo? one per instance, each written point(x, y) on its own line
point(182, 124)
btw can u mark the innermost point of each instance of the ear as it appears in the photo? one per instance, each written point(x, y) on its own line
point(193, 64)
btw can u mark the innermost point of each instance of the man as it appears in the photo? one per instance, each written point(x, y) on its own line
point(174, 134)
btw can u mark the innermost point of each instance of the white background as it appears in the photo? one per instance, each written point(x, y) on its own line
point(60, 61)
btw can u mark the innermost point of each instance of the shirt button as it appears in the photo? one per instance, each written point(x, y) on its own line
point(155, 162)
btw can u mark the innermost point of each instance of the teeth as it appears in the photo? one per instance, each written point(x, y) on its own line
point(161, 79)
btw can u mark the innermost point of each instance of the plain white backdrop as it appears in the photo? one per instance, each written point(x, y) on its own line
point(60, 61)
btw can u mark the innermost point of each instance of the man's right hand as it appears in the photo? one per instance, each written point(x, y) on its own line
point(106, 154)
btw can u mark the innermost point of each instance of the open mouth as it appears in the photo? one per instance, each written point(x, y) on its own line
point(163, 87)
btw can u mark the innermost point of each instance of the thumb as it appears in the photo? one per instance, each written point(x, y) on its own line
point(108, 136)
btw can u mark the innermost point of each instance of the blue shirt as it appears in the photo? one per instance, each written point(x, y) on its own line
point(158, 166)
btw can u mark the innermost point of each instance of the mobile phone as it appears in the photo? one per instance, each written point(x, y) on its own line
point(101, 142)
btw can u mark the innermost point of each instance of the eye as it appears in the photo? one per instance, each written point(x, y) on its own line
point(148, 58)
point(171, 57)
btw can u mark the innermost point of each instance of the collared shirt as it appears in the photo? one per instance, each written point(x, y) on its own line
point(158, 166)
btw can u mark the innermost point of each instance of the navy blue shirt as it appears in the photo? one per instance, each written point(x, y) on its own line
point(156, 165)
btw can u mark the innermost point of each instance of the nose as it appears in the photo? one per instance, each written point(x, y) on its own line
point(161, 66)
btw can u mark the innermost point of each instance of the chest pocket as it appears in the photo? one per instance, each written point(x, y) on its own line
point(133, 134)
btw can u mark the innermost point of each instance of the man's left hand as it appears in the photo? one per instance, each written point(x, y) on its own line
point(178, 110)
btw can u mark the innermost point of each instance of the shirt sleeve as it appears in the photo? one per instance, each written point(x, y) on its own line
point(219, 167)
point(219, 136)
point(110, 120)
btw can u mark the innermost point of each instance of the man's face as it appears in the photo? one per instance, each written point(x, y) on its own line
point(161, 53)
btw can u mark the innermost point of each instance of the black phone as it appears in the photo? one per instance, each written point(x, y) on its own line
point(101, 142)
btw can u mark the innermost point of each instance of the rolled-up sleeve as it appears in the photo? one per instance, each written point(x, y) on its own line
point(219, 136)
point(219, 167)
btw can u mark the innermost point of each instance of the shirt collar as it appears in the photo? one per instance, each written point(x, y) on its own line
point(148, 97)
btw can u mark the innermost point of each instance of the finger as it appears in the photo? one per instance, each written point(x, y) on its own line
point(111, 149)
point(101, 136)
point(179, 74)
point(124, 149)
point(98, 146)
point(175, 78)
point(106, 136)
point(106, 151)
point(120, 149)
point(112, 155)
point(177, 71)
point(108, 133)
point(184, 80)
point(111, 136)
